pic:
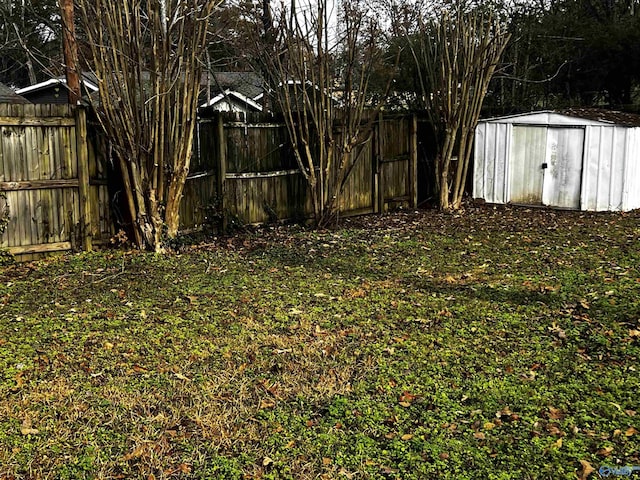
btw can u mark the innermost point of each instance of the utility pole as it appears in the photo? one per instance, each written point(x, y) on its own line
point(70, 50)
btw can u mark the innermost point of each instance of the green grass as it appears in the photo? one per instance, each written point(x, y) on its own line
point(501, 343)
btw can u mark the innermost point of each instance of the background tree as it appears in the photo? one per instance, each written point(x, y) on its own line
point(456, 55)
point(29, 41)
point(570, 53)
point(148, 58)
point(315, 63)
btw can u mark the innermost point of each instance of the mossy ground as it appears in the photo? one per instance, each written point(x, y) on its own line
point(498, 343)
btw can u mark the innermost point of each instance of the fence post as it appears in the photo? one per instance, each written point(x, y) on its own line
point(221, 166)
point(379, 152)
point(413, 162)
point(82, 155)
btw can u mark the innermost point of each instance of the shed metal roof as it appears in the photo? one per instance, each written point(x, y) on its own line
point(602, 115)
point(591, 114)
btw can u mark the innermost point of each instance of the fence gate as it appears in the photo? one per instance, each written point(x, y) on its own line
point(44, 177)
point(396, 153)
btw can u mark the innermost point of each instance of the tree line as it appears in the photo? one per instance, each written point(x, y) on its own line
point(328, 69)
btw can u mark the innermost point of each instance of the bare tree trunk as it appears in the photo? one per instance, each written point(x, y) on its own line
point(148, 57)
point(70, 48)
point(456, 58)
point(301, 71)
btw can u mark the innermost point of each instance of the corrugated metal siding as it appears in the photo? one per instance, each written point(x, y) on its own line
point(604, 176)
point(491, 160)
point(508, 152)
point(528, 153)
point(631, 194)
point(563, 175)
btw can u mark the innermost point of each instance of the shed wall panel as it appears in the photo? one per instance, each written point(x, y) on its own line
point(528, 153)
point(605, 160)
point(631, 194)
point(491, 158)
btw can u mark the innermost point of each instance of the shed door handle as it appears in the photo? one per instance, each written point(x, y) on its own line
point(544, 165)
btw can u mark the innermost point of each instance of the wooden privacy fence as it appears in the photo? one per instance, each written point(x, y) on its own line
point(53, 180)
point(53, 173)
point(244, 171)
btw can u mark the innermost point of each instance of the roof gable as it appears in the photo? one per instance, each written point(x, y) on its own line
point(233, 97)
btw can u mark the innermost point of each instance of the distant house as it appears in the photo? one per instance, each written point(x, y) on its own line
point(7, 95)
point(231, 91)
point(225, 91)
point(231, 101)
point(55, 90)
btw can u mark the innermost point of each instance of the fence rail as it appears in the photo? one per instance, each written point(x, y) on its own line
point(55, 193)
point(257, 179)
point(54, 174)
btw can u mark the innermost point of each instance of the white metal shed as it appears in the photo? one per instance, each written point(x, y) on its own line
point(582, 159)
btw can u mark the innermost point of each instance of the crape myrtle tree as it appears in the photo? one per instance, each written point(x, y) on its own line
point(456, 54)
point(148, 57)
point(320, 68)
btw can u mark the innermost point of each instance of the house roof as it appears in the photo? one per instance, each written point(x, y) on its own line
point(249, 84)
point(7, 95)
point(232, 95)
point(87, 81)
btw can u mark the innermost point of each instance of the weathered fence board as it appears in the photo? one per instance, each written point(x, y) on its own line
point(258, 179)
point(54, 173)
point(55, 190)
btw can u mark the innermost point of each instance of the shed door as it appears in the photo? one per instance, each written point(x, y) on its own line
point(528, 152)
point(563, 172)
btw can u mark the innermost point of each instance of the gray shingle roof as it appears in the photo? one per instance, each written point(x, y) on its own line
point(9, 96)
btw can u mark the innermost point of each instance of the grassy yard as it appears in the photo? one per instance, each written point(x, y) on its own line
point(502, 343)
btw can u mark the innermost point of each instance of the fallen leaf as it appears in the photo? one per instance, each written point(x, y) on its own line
point(407, 436)
point(587, 470)
point(555, 413)
point(479, 435)
point(554, 430)
point(26, 429)
point(630, 431)
point(558, 443)
point(266, 404)
point(605, 451)
point(180, 376)
point(138, 452)
point(444, 456)
point(489, 425)
point(406, 398)
point(326, 461)
point(266, 461)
